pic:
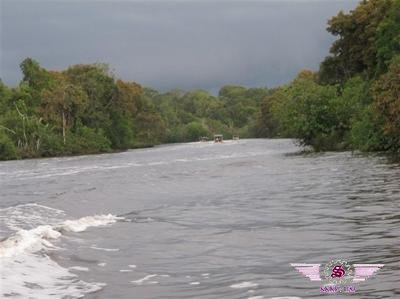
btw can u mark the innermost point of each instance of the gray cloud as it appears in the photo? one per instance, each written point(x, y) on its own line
point(171, 44)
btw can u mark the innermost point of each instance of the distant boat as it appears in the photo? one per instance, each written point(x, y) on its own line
point(218, 138)
point(203, 139)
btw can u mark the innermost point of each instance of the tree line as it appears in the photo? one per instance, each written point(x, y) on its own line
point(351, 102)
point(86, 109)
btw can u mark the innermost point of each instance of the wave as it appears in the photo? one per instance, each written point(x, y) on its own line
point(244, 284)
point(104, 249)
point(148, 278)
point(36, 239)
point(28, 216)
point(27, 270)
point(83, 223)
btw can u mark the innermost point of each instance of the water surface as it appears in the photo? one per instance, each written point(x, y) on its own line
point(197, 220)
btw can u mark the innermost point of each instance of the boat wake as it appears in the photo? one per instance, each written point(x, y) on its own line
point(27, 271)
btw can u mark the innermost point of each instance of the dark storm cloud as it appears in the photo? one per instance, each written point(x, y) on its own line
point(166, 44)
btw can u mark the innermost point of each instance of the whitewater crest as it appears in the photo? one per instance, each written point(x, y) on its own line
point(39, 238)
point(28, 216)
point(28, 272)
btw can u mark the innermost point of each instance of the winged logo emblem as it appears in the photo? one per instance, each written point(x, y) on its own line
point(338, 271)
point(309, 270)
point(363, 271)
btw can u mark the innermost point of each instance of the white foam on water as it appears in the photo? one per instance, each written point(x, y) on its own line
point(28, 216)
point(26, 269)
point(142, 280)
point(104, 249)
point(101, 264)
point(32, 240)
point(156, 163)
point(125, 270)
point(182, 160)
point(38, 238)
point(256, 297)
point(194, 283)
point(44, 171)
point(83, 223)
point(148, 278)
point(37, 276)
point(244, 284)
point(132, 266)
point(79, 268)
point(286, 297)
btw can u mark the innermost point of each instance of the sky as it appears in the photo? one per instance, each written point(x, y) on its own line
point(171, 44)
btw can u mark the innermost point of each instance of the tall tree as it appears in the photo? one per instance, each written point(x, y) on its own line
point(386, 92)
point(354, 52)
point(63, 103)
point(388, 38)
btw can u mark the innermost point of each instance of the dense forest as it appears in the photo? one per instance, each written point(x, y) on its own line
point(351, 102)
point(85, 109)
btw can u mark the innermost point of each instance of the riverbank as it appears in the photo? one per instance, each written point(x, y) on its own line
point(305, 150)
point(138, 146)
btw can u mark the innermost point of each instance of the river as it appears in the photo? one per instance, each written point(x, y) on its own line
point(197, 220)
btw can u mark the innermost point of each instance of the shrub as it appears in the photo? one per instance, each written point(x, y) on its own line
point(87, 141)
point(365, 133)
point(194, 130)
point(8, 150)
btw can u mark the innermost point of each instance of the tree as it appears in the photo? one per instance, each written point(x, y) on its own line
point(240, 105)
point(386, 93)
point(8, 150)
point(354, 52)
point(308, 111)
point(128, 99)
point(124, 107)
point(100, 89)
point(266, 123)
point(388, 38)
point(194, 131)
point(5, 95)
point(63, 104)
point(34, 75)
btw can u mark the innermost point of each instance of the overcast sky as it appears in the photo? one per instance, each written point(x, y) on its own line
point(171, 44)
